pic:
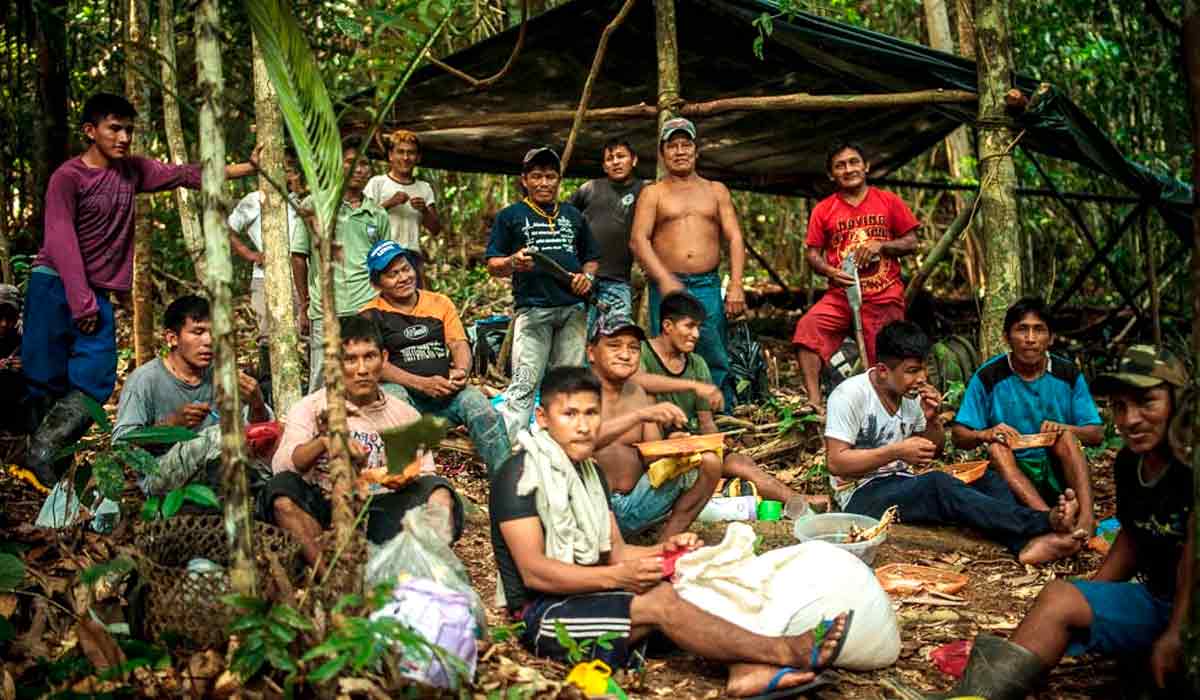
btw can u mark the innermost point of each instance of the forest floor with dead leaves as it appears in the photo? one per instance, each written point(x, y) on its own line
point(53, 647)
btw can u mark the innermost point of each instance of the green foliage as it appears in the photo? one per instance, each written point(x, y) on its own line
point(167, 506)
point(276, 636)
point(12, 572)
point(579, 650)
point(503, 633)
point(402, 444)
point(113, 568)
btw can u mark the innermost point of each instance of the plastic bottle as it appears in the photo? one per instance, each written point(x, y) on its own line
point(721, 508)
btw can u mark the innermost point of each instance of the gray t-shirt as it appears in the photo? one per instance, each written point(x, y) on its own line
point(608, 209)
point(856, 416)
point(151, 393)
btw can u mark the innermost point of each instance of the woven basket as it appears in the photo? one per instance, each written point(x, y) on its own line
point(188, 603)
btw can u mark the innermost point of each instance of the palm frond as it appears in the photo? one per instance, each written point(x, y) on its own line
point(303, 100)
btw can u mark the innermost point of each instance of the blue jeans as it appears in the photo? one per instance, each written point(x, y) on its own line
point(940, 499)
point(645, 505)
point(542, 338)
point(56, 356)
point(706, 288)
point(1126, 619)
point(470, 408)
point(616, 295)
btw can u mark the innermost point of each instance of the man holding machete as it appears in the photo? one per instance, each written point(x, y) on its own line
point(876, 228)
point(550, 320)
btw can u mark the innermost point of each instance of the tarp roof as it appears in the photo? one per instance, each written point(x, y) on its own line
point(780, 152)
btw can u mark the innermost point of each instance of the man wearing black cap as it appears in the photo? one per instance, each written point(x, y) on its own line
point(549, 324)
point(678, 227)
point(629, 416)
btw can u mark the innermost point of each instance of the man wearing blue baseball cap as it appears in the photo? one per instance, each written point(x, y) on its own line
point(427, 350)
point(678, 226)
point(548, 250)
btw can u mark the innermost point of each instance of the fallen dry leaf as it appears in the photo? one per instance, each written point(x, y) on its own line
point(359, 686)
point(98, 645)
point(227, 684)
point(8, 688)
point(8, 604)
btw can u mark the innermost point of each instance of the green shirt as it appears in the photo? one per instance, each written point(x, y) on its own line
point(358, 229)
point(694, 368)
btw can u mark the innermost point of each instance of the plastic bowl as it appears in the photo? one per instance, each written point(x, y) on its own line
point(834, 528)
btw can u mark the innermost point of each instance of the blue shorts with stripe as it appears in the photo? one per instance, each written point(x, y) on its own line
point(599, 618)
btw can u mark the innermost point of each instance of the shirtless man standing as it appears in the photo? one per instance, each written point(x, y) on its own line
point(677, 230)
point(629, 416)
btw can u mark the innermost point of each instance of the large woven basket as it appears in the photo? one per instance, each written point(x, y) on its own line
point(189, 604)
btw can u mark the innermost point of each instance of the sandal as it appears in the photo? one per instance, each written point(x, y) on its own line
point(774, 692)
point(819, 636)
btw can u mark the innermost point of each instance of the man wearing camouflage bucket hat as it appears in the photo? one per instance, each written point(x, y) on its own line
point(1137, 603)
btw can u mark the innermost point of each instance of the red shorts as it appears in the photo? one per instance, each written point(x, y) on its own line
point(823, 327)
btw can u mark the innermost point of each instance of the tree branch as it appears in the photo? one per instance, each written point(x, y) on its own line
point(1158, 13)
point(601, 49)
point(512, 58)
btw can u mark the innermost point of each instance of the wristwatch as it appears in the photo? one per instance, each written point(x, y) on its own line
point(590, 277)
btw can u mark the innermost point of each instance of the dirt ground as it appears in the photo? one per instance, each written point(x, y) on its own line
point(999, 593)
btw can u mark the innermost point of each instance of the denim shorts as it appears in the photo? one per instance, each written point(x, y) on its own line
point(1126, 619)
point(645, 505)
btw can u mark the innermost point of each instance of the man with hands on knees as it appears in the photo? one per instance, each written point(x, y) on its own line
point(562, 561)
point(884, 422)
point(1028, 390)
point(177, 390)
point(1138, 602)
point(428, 353)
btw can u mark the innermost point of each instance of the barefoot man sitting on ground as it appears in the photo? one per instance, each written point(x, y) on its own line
point(562, 561)
point(884, 422)
point(678, 226)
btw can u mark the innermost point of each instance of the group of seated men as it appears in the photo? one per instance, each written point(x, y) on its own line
point(562, 506)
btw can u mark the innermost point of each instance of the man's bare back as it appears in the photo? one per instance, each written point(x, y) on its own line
point(621, 462)
point(686, 233)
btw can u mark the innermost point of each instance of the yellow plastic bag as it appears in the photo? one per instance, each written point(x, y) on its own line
point(664, 469)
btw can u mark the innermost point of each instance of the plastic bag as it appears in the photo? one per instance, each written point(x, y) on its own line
point(789, 591)
point(747, 366)
point(422, 550)
point(443, 617)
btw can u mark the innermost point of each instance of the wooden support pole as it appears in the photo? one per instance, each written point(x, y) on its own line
point(794, 102)
point(775, 276)
point(998, 216)
point(1191, 53)
point(939, 250)
point(588, 84)
point(669, 100)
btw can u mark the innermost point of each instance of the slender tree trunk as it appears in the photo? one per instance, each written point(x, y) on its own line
point(238, 523)
point(137, 31)
point(340, 471)
point(51, 135)
point(284, 341)
point(998, 179)
point(958, 143)
point(1191, 52)
point(189, 218)
point(668, 68)
point(6, 271)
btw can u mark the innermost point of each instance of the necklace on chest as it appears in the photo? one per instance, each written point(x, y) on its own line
point(550, 217)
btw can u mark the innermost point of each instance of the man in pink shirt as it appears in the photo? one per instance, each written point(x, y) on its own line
point(70, 348)
point(875, 226)
point(297, 497)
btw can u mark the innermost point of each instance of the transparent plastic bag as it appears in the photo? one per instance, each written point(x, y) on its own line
point(422, 550)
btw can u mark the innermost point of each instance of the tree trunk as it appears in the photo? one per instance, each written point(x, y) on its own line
point(1191, 52)
point(958, 143)
point(52, 136)
point(6, 271)
point(668, 69)
point(284, 342)
point(189, 219)
point(998, 180)
point(137, 31)
point(238, 521)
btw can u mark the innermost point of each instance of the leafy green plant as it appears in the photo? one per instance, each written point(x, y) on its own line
point(579, 650)
point(12, 573)
point(267, 634)
point(503, 633)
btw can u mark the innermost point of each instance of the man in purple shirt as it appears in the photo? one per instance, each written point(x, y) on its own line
point(70, 348)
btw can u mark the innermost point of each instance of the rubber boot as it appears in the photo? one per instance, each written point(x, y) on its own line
point(65, 423)
point(996, 670)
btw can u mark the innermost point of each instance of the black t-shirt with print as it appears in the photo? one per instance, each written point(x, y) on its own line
point(1156, 517)
point(504, 504)
point(608, 208)
point(415, 344)
point(568, 241)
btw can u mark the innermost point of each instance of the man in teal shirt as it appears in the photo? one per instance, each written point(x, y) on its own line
point(360, 225)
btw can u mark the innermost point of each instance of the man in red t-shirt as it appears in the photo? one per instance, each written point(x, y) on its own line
point(878, 228)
